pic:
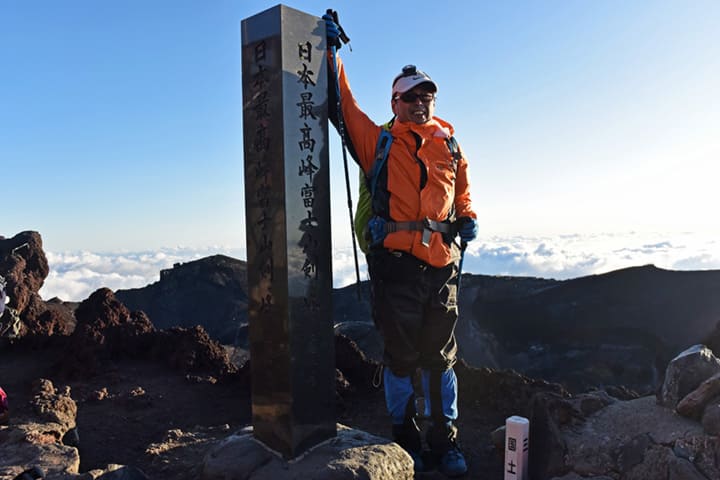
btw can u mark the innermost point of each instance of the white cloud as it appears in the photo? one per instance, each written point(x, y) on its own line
point(75, 275)
point(571, 256)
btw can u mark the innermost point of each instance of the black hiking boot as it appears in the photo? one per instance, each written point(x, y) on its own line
point(407, 435)
point(442, 439)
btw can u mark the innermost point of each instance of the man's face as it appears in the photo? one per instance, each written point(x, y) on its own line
point(416, 105)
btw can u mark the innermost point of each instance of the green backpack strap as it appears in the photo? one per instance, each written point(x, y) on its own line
point(364, 212)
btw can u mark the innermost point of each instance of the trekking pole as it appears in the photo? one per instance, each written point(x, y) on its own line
point(341, 131)
point(463, 246)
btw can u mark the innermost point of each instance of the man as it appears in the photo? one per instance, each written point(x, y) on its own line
point(421, 202)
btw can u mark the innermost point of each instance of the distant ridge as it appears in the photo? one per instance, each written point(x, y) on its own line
point(616, 328)
point(621, 326)
point(211, 291)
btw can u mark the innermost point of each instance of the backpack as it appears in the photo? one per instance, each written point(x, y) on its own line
point(368, 183)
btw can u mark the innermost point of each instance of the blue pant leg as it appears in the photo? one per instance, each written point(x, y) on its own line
point(448, 394)
point(399, 396)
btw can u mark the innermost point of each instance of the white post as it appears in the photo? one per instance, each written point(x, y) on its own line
point(517, 443)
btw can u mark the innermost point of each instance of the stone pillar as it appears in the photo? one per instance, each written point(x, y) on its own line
point(287, 202)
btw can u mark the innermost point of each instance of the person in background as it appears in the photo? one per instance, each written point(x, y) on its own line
point(4, 408)
point(420, 205)
point(3, 296)
point(10, 324)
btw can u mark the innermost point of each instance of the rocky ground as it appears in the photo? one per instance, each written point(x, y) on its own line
point(163, 420)
point(103, 378)
point(157, 399)
point(137, 412)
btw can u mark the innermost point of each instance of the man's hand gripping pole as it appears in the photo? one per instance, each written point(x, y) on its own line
point(336, 36)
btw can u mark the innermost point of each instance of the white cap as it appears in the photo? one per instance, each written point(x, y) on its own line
point(409, 78)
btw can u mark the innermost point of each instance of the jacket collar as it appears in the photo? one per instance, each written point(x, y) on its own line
point(436, 127)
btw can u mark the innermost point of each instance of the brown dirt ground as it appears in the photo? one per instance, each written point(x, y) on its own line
point(163, 421)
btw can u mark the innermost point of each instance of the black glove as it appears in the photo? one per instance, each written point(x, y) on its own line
point(332, 31)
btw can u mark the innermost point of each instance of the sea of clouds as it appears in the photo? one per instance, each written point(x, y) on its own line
point(75, 275)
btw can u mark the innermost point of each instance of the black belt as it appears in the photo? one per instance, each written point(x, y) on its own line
point(426, 226)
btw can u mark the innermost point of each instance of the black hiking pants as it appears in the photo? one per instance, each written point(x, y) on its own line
point(415, 309)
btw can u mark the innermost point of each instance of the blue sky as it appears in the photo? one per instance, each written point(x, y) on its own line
point(121, 122)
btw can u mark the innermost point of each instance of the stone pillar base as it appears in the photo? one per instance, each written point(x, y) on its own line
point(352, 454)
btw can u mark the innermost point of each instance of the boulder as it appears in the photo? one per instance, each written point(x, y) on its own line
point(686, 372)
point(638, 439)
point(105, 327)
point(54, 406)
point(352, 454)
point(25, 267)
point(38, 440)
point(693, 404)
point(630, 436)
point(355, 367)
point(365, 335)
point(711, 419)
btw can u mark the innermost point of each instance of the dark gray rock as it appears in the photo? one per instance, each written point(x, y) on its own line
point(654, 463)
point(686, 372)
point(637, 439)
point(693, 404)
point(632, 453)
point(365, 335)
point(683, 469)
point(702, 453)
point(547, 445)
point(351, 455)
point(711, 419)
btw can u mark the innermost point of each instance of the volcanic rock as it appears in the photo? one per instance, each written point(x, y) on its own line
point(693, 404)
point(211, 292)
point(38, 440)
point(352, 454)
point(627, 440)
point(686, 372)
point(25, 267)
point(105, 327)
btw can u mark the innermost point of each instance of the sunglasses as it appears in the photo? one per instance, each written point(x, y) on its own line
point(412, 97)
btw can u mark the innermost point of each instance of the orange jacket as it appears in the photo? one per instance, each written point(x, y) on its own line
point(445, 186)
